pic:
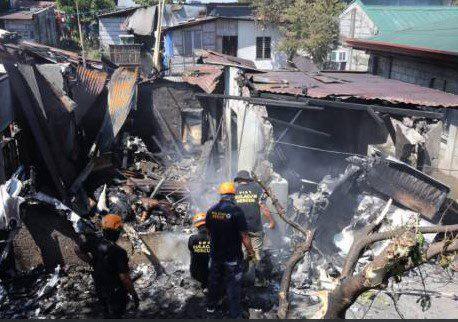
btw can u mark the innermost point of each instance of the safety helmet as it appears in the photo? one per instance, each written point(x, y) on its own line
point(227, 188)
point(243, 175)
point(199, 219)
point(111, 222)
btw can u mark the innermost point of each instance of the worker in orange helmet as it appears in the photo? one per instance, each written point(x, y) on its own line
point(199, 246)
point(110, 266)
point(228, 230)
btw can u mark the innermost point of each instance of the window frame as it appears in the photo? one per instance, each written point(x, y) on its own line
point(264, 48)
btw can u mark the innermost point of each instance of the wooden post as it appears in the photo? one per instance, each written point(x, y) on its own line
point(157, 44)
point(81, 34)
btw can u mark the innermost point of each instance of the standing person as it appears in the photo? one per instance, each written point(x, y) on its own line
point(199, 246)
point(110, 268)
point(250, 198)
point(228, 230)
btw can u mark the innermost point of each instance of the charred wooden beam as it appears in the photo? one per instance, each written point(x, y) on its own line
point(263, 101)
point(297, 127)
point(359, 107)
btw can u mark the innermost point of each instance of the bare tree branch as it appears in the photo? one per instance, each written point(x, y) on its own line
point(283, 295)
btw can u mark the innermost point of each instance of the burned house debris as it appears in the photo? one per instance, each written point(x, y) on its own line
point(347, 160)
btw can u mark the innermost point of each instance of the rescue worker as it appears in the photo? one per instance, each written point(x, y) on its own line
point(199, 246)
point(228, 230)
point(110, 268)
point(250, 198)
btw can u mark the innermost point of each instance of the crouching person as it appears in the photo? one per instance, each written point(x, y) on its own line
point(227, 228)
point(199, 246)
point(110, 268)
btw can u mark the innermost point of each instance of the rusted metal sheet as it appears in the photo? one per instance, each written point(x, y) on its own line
point(207, 77)
point(89, 85)
point(348, 85)
point(122, 97)
point(407, 186)
point(215, 58)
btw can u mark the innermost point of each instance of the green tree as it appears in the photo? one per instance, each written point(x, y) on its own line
point(308, 26)
point(89, 11)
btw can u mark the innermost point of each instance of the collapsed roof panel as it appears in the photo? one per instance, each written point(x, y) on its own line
point(24, 86)
point(122, 96)
point(88, 87)
point(215, 58)
point(207, 77)
point(347, 85)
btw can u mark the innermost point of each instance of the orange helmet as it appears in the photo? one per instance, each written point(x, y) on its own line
point(111, 222)
point(227, 188)
point(199, 219)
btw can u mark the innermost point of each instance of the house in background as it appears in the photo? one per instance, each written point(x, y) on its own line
point(229, 29)
point(364, 19)
point(225, 28)
point(33, 23)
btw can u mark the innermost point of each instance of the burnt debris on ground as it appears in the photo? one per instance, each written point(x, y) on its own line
point(89, 140)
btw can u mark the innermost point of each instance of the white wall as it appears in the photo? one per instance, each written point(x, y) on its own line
point(247, 33)
point(355, 23)
point(110, 30)
point(253, 136)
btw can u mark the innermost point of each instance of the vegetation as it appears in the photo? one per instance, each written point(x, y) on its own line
point(309, 26)
point(89, 10)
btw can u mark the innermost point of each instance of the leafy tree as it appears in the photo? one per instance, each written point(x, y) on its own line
point(89, 10)
point(308, 26)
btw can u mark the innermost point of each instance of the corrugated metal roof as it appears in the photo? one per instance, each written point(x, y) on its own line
point(206, 77)
point(215, 58)
point(123, 12)
point(122, 93)
point(89, 85)
point(442, 35)
point(191, 22)
point(347, 85)
point(395, 18)
point(20, 15)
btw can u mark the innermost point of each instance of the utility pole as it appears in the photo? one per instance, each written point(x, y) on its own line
point(157, 44)
point(81, 33)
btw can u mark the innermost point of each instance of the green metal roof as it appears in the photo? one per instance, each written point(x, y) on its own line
point(439, 36)
point(434, 27)
point(391, 18)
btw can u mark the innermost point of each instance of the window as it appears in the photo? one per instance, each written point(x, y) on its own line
point(192, 40)
point(263, 48)
point(342, 56)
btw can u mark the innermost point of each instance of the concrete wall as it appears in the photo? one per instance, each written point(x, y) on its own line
point(448, 161)
point(110, 30)
point(354, 23)
point(416, 71)
point(247, 31)
point(253, 132)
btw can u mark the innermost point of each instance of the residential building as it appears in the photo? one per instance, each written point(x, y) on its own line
point(226, 28)
point(229, 29)
point(35, 23)
point(363, 19)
